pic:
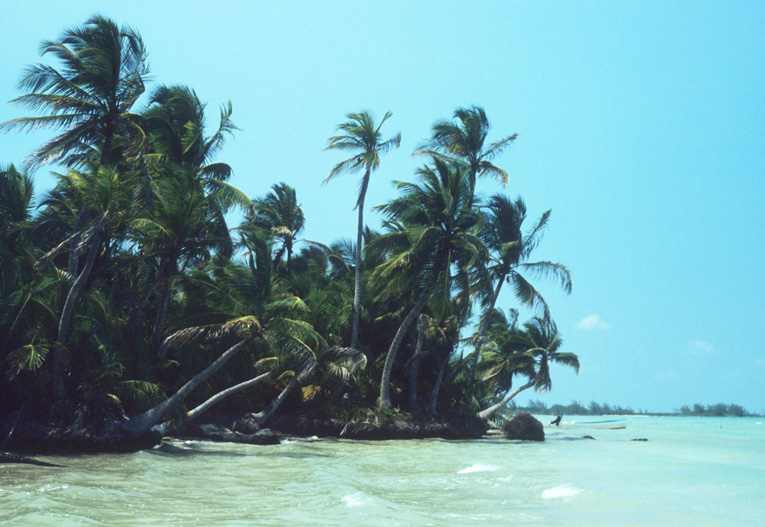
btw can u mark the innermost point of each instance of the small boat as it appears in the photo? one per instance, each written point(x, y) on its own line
point(608, 424)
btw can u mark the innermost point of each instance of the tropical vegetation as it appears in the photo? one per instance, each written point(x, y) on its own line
point(126, 295)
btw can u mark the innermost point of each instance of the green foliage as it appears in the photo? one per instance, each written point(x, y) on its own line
point(127, 281)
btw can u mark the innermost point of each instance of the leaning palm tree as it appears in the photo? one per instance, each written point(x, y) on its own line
point(510, 251)
point(529, 353)
point(436, 228)
point(360, 135)
point(465, 140)
point(102, 74)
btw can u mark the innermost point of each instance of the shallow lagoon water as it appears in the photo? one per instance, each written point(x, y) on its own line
point(691, 471)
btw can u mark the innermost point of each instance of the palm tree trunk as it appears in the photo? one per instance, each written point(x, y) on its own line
point(59, 366)
point(357, 264)
point(164, 304)
point(74, 249)
point(199, 410)
point(479, 343)
point(385, 401)
point(265, 415)
point(143, 422)
point(414, 371)
point(159, 321)
point(433, 401)
point(490, 411)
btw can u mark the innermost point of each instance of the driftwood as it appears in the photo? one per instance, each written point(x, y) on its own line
point(5, 457)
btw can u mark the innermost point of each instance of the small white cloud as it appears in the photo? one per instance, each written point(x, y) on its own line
point(701, 347)
point(593, 322)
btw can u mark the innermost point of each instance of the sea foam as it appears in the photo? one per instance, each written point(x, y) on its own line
point(357, 499)
point(478, 467)
point(561, 491)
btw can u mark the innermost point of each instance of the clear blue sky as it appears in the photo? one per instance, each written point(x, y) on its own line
point(640, 124)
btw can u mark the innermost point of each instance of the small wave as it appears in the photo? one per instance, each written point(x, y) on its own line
point(561, 491)
point(357, 499)
point(478, 467)
point(51, 487)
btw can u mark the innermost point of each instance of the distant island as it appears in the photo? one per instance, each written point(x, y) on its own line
point(594, 408)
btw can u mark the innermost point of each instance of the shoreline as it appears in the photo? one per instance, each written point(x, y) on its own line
point(44, 438)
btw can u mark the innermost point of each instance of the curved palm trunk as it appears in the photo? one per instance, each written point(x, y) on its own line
point(265, 415)
point(385, 401)
point(143, 422)
point(357, 263)
point(490, 411)
point(481, 335)
point(59, 367)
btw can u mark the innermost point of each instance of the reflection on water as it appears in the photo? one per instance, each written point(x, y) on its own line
point(691, 471)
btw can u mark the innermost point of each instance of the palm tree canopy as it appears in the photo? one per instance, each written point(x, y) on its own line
point(465, 139)
point(176, 125)
point(90, 96)
point(360, 134)
point(432, 226)
point(510, 250)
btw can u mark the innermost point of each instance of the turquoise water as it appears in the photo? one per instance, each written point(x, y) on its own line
point(691, 471)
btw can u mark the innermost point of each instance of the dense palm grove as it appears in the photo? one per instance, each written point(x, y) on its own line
point(124, 292)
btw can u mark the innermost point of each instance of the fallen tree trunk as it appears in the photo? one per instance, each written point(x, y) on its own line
point(490, 411)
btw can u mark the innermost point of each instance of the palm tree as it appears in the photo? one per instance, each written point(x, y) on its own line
point(104, 203)
point(510, 250)
point(188, 221)
point(436, 227)
point(180, 229)
point(90, 96)
point(280, 213)
point(465, 140)
point(175, 122)
point(360, 134)
point(529, 353)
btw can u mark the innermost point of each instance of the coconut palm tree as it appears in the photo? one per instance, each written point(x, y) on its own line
point(510, 250)
point(359, 134)
point(102, 74)
point(436, 227)
point(175, 122)
point(529, 353)
point(181, 228)
point(280, 213)
point(193, 195)
point(105, 204)
point(465, 140)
